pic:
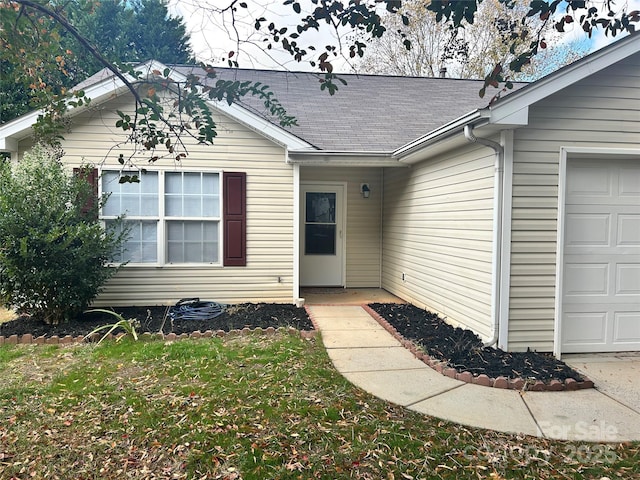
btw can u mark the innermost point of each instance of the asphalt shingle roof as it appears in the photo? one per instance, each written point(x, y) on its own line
point(370, 113)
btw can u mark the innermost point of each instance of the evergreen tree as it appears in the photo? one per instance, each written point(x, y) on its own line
point(131, 32)
point(14, 98)
point(123, 31)
point(159, 36)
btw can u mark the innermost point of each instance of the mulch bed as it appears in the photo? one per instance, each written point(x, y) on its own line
point(155, 320)
point(460, 353)
point(455, 352)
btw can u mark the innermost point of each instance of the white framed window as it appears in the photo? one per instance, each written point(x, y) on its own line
point(174, 217)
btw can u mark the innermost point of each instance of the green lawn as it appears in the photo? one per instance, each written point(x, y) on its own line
point(254, 407)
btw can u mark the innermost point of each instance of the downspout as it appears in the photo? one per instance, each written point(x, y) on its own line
point(497, 230)
point(381, 231)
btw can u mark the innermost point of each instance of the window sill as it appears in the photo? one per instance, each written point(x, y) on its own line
point(158, 266)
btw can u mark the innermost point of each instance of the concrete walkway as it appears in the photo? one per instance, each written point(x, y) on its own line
point(372, 359)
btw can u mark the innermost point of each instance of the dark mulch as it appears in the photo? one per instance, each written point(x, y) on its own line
point(152, 319)
point(463, 349)
point(459, 348)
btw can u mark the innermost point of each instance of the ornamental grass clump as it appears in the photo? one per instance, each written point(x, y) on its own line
point(128, 326)
point(54, 252)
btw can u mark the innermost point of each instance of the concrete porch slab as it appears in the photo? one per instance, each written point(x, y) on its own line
point(347, 296)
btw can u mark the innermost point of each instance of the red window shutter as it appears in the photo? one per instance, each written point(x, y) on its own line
point(91, 176)
point(234, 219)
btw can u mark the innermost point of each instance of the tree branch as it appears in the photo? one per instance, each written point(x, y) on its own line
point(83, 41)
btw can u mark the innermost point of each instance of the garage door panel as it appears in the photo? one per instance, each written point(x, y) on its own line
point(601, 272)
point(587, 229)
point(626, 328)
point(587, 181)
point(628, 231)
point(587, 279)
point(585, 328)
point(628, 279)
point(629, 183)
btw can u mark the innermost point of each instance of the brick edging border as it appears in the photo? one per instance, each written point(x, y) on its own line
point(312, 318)
point(484, 380)
point(29, 339)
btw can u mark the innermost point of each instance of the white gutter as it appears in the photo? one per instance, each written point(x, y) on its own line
point(343, 159)
point(496, 267)
point(331, 153)
point(403, 153)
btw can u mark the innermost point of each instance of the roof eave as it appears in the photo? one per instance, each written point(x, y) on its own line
point(111, 86)
point(254, 122)
point(20, 128)
point(512, 111)
point(418, 150)
point(565, 77)
point(337, 158)
point(262, 126)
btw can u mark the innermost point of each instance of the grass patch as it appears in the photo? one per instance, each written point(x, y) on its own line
point(250, 407)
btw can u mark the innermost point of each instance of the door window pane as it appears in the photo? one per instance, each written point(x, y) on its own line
point(320, 207)
point(320, 239)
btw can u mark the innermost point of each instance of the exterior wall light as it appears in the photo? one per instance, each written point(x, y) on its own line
point(365, 190)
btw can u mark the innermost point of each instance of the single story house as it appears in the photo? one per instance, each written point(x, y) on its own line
point(519, 220)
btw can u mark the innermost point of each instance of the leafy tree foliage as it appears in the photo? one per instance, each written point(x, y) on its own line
point(471, 52)
point(47, 60)
point(434, 46)
point(34, 62)
point(53, 250)
point(32, 32)
point(366, 19)
point(14, 97)
point(160, 36)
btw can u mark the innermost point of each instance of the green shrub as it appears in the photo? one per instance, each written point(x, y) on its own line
point(54, 252)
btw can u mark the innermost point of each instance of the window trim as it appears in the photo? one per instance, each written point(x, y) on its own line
point(162, 219)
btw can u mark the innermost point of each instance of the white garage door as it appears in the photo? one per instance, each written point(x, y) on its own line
point(601, 282)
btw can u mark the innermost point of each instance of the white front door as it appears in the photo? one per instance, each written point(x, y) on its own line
point(601, 279)
point(322, 232)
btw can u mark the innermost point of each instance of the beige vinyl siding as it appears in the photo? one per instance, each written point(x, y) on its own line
point(599, 111)
point(268, 275)
point(363, 220)
point(437, 230)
